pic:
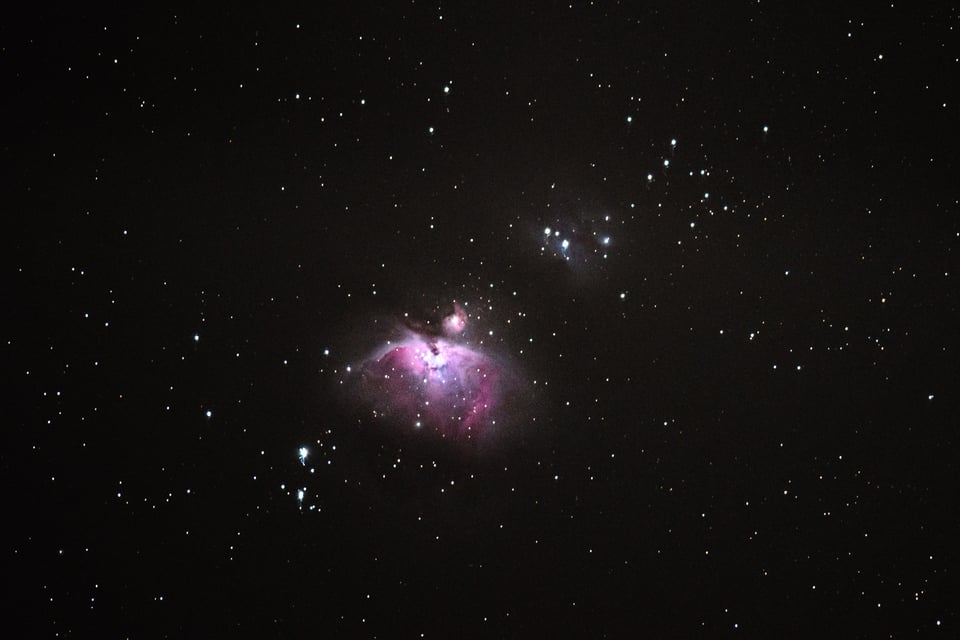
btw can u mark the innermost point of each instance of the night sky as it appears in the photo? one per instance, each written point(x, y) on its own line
point(590, 320)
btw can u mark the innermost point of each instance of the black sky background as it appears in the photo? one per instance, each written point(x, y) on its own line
point(674, 477)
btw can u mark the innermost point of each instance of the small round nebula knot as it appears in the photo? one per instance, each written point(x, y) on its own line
point(456, 322)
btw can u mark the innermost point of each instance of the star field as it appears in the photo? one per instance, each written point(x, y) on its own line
point(425, 320)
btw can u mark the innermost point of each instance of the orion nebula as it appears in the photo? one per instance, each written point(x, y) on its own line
point(432, 377)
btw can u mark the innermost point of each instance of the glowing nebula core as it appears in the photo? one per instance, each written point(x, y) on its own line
point(434, 382)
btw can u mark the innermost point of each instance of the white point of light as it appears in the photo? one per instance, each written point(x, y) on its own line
point(673, 142)
point(300, 494)
point(302, 454)
point(766, 128)
point(666, 163)
point(196, 337)
point(209, 413)
point(565, 244)
point(546, 231)
point(430, 130)
point(606, 240)
point(629, 119)
point(446, 89)
point(649, 177)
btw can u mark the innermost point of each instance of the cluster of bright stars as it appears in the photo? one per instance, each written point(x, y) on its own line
point(549, 233)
